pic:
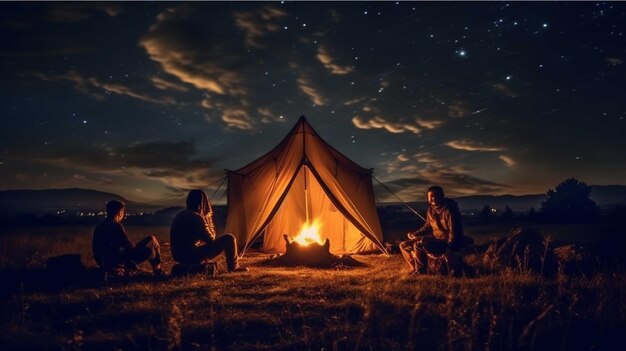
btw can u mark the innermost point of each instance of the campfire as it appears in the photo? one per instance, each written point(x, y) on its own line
point(308, 234)
point(308, 249)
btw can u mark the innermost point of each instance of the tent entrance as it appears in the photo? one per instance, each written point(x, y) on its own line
point(307, 202)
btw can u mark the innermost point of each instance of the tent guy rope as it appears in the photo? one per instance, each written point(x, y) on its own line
point(397, 197)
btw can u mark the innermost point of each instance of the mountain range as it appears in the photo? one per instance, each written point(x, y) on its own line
point(68, 200)
point(86, 200)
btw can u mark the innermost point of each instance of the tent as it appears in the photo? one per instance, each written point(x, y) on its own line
point(303, 179)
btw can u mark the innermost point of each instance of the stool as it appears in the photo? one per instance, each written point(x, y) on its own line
point(451, 264)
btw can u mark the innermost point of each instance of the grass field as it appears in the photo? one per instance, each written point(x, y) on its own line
point(376, 307)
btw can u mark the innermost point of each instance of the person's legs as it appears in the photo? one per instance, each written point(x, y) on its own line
point(421, 259)
point(227, 244)
point(406, 248)
point(429, 245)
point(434, 246)
point(147, 249)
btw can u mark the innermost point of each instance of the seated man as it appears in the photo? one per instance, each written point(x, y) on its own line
point(443, 223)
point(193, 237)
point(113, 251)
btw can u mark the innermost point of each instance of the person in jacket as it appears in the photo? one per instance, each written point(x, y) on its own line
point(193, 238)
point(441, 234)
point(112, 249)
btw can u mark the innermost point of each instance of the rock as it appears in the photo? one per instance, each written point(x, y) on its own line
point(575, 260)
point(452, 264)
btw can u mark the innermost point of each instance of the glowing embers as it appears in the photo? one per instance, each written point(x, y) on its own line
point(307, 248)
point(308, 234)
point(311, 253)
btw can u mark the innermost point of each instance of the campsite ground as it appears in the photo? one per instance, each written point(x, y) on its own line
point(379, 306)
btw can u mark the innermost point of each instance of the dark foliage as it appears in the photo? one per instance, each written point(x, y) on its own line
point(485, 215)
point(507, 214)
point(569, 202)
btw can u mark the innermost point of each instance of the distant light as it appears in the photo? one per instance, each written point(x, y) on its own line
point(508, 77)
point(545, 25)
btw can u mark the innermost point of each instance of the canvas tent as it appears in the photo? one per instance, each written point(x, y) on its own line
point(303, 178)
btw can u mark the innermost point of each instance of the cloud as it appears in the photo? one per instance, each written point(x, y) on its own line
point(167, 85)
point(457, 110)
point(267, 116)
point(329, 62)
point(97, 88)
point(52, 52)
point(403, 157)
point(207, 59)
point(504, 90)
point(412, 178)
point(172, 163)
point(454, 184)
point(191, 55)
point(237, 117)
point(613, 61)
point(305, 85)
point(428, 158)
point(507, 160)
point(80, 11)
point(259, 23)
point(381, 123)
point(433, 124)
point(471, 146)
point(354, 101)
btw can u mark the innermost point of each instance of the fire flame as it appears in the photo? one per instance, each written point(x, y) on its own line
point(309, 234)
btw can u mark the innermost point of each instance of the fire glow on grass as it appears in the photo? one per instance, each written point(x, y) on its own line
point(309, 234)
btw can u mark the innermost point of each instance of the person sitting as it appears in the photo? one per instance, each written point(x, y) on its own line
point(193, 237)
point(112, 249)
point(441, 235)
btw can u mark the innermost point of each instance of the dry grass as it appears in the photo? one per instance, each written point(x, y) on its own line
point(375, 307)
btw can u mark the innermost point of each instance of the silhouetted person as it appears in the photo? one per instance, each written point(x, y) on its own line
point(193, 237)
point(442, 233)
point(113, 251)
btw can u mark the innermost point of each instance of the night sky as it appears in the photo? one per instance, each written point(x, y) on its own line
point(148, 100)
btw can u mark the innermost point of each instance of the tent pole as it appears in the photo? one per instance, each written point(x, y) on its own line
point(306, 196)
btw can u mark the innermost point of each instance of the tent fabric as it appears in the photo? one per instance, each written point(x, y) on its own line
point(303, 178)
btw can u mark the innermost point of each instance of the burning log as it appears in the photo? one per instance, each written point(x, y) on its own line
point(311, 254)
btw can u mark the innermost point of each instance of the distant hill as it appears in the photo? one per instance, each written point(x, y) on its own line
point(516, 203)
point(53, 200)
point(603, 195)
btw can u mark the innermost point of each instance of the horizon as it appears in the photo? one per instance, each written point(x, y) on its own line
point(479, 98)
point(180, 203)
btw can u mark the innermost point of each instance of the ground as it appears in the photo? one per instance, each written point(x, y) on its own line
point(379, 306)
